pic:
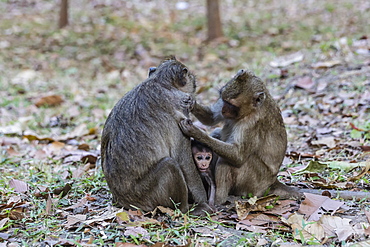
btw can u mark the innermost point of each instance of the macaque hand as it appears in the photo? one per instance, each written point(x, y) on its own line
point(188, 128)
point(187, 103)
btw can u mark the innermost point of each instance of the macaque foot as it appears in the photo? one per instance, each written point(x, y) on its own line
point(202, 209)
point(285, 192)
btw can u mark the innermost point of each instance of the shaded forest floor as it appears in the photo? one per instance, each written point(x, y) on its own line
point(58, 86)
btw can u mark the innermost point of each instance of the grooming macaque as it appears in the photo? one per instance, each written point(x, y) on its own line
point(252, 143)
point(146, 159)
point(205, 160)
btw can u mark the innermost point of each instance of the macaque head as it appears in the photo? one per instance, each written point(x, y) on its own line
point(202, 155)
point(203, 160)
point(173, 70)
point(243, 95)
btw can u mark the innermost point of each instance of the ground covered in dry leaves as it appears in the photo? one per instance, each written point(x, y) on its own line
point(58, 86)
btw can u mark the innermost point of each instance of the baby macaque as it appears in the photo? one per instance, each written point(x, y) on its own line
point(205, 160)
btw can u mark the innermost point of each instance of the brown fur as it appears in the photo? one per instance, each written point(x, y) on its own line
point(146, 159)
point(252, 142)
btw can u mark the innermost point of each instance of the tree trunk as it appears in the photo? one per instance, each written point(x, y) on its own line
point(214, 20)
point(63, 17)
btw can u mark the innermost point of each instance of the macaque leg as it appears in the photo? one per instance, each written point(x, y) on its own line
point(223, 182)
point(166, 185)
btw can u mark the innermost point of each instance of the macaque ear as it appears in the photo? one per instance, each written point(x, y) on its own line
point(259, 98)
point(241, 75)
point(151, 71)
point(182, 77)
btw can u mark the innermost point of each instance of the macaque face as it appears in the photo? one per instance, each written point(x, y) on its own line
point(203, 160)
point(230, 111)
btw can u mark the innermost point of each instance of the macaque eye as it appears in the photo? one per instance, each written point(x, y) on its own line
point(208, 158)
point(199, 157)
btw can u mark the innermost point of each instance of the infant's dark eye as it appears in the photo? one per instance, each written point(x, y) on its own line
point(208, 158)
point(199, 157)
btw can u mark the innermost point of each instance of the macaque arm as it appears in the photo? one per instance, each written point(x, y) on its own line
point(208, 115)
point(227, 151)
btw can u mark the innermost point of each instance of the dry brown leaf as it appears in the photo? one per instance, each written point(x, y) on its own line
point(253, 204)
point(62, 191)
point(166, 210)
point(107, 216)
point(14, 199)
point(51, 100)
point(367, 213)
point(252, 228)
point(120, 244)
point(80, 203)
point(80, 131)
point(263, 219)
point(78, 172)
point(12, 129)
point(308, 230)
point(92, 131)
point(336, 226)
point(57, 145)
point(74, 219)
point(49, 205)
point(19, 186)
point(305, 83)
point(363, 172)
point(16, 210)
point(326, 64)
point(325, 141)
point(84, 147)
point(73, 111)
point(314, 205)
point(122, 217)
point(136, 231)
point(290, 245)
point(40, 154)
point(12, 152)
point(6, 141)
point(25, 76)
point(31, 136)
point(91, 240)
point(90, 158)
point(158, 244)
point(287, 60)
point(367, 232)
point(3, 222)
point(365, 148)
point(284, 208)
point(262, 242)
point(321, 85)
point(79, 156)
point(242, 209)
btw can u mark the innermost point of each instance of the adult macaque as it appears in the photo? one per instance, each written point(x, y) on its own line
point(252, 143)
point(146, 159)
point(205, 160)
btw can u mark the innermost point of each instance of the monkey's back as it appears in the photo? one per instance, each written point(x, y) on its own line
point(136, 133)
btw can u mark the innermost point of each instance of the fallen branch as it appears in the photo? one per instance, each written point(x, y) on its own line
point(344, 194)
